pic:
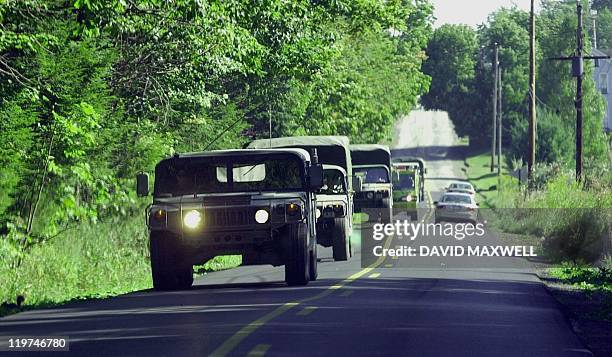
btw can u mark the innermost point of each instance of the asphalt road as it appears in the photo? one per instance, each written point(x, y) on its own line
point(389, 308)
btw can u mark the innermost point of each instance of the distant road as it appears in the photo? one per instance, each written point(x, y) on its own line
point(389, 309)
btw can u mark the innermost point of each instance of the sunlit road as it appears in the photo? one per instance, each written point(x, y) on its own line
point(386, 309)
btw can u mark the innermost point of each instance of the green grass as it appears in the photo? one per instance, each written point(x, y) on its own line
point(91, 261)
point(585, 277)
point(485, 182)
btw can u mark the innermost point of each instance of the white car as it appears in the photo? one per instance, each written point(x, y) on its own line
point(461, 187)
point(456, 207)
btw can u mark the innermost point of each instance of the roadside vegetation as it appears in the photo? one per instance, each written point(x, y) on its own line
point(485, 182)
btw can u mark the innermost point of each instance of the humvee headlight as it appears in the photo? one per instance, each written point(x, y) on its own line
point(160, 214)
point(318, 213)
point(192, 219)
point(262, 216)
point(339, 210)
point(293, 209)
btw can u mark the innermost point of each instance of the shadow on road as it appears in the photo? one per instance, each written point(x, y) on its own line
point(433, 153)
point(407, 309)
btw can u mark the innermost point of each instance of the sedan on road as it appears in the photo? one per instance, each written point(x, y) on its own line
point(461, 187)
point(456, 207)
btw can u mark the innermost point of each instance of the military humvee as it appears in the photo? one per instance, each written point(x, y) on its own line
point(335, 198)
point(256, 203)
point(372, 165)
point(408, 186)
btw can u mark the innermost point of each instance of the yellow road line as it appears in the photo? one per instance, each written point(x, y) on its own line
point(374, 275)
point(231, 343)
point(307, 310)
point(347, 293)
point(388, 265)
point(259, 351)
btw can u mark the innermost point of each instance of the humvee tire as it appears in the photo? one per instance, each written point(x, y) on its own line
point(168, 272)
point(297, 259)
point(386, 211)
point(340, 244)
point(313, 272)
point(413, 214)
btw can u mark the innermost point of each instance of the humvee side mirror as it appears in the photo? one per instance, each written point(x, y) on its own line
point(357, 183)
point(142, 184)
point(315, 176)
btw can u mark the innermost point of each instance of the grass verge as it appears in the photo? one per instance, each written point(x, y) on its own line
point(485, 182)
point(585, 292)
point(88, 262)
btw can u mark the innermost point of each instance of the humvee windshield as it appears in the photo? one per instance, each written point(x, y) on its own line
point(333, 183)
point(372, 174)
point(406, 181)
point(183, 176)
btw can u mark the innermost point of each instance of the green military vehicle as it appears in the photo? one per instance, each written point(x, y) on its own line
point(335, 198)
point(372, 167)
point(408, 185)
point(260, 204)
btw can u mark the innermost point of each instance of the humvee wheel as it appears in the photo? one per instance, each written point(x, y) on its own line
point(386, 211)
point(340, 244)
point(298, 256)
point(312, 267)
point(167, 270)
point(414, 215)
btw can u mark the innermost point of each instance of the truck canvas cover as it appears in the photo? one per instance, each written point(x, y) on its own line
point(371, 154)
point(331, 150)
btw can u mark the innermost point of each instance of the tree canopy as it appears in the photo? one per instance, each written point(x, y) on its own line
point(92, 91)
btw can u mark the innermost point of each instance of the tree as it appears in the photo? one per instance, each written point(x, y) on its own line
point(452, 54)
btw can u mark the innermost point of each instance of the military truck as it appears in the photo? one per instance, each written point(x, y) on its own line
point(335, 198)
point(372, 166)
point(256, 203)
point(408, 185)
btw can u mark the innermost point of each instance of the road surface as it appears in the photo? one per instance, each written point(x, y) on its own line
point(386, 309)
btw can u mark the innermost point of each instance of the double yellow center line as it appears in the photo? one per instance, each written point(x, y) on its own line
point(231, 343)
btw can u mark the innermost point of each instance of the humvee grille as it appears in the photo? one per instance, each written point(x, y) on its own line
point(229, 217)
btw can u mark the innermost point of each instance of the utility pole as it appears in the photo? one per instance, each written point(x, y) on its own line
point(494, 133)
point(594, 15)
point(532, 94)
point(578, 72)
point(579, 75)
point(499, 124)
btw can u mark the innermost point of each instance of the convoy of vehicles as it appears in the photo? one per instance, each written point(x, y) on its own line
point(274, 201)
point(335, 198)
point(408, 185)
point(372, 167)
point(260, 204)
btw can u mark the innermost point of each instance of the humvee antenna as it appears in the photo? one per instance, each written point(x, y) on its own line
point(221, 134)
point(270, 124)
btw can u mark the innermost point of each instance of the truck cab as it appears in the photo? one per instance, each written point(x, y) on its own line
point(260, 204)
point(372, 165)
point(407, 188)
